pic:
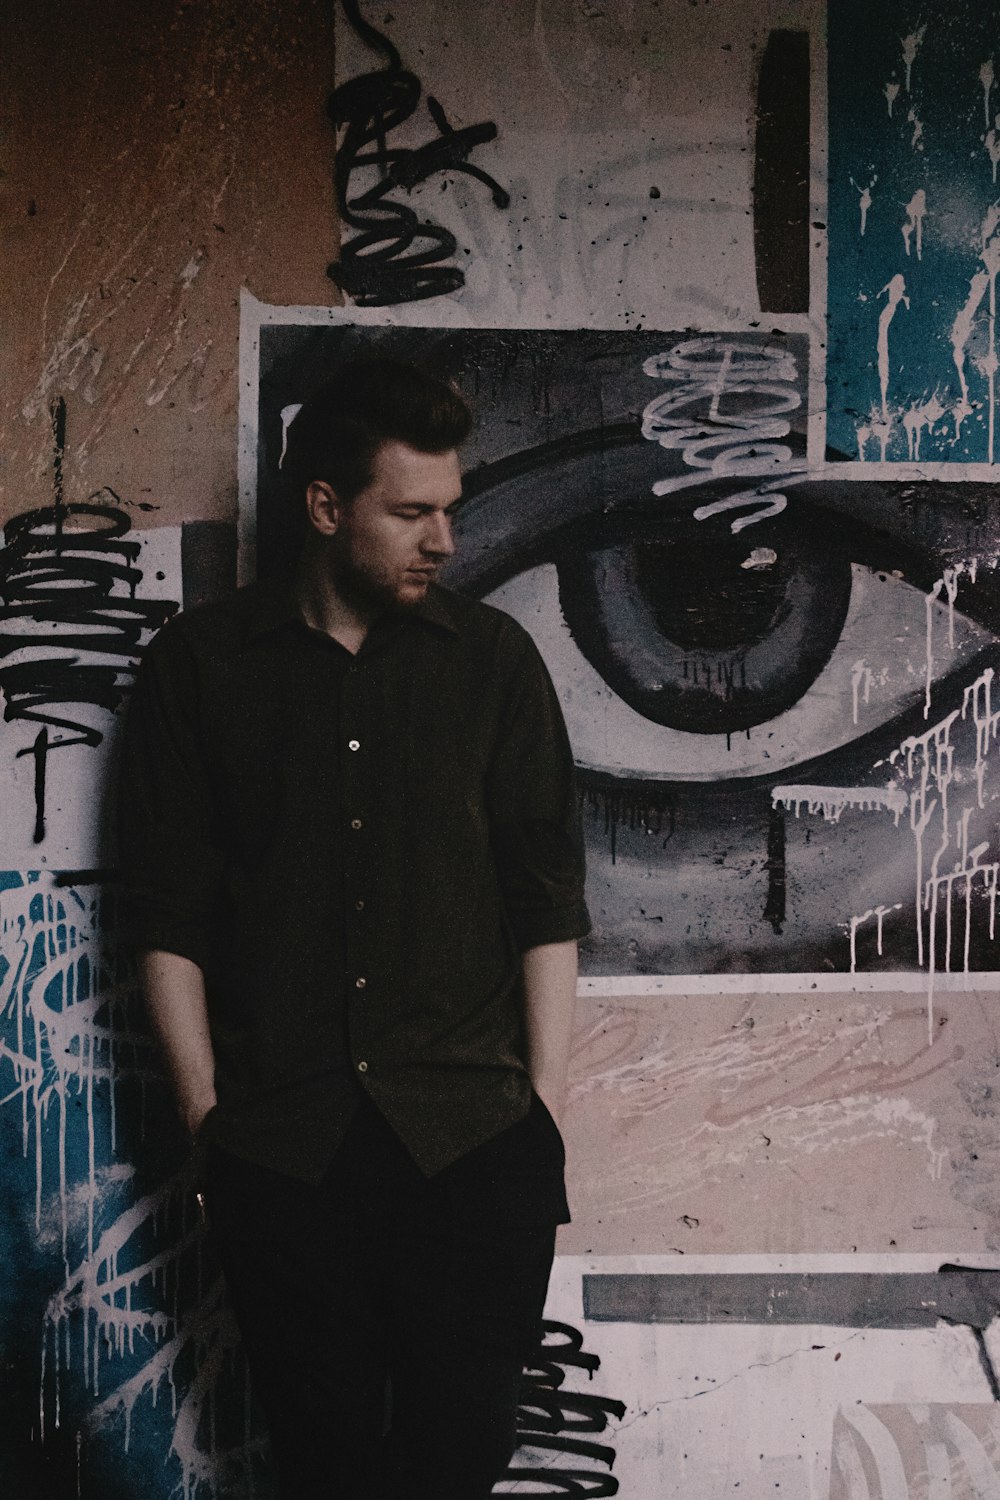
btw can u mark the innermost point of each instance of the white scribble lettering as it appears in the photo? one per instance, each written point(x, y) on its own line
point(726, 411)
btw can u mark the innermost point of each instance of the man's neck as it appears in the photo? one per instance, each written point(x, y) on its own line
point(325, 607)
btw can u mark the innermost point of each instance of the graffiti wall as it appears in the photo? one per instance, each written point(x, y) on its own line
point(720, 282)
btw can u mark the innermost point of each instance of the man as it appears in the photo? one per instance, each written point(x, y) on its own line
point(351, 850)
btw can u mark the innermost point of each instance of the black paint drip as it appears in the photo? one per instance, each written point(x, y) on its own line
point(650, 808)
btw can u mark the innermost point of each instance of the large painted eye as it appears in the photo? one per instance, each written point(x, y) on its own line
point(716, 682)
point(649, 694)
point(686, 652)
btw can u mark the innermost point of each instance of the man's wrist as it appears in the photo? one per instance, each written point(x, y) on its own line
point(552, 1094)
point(194, 1113)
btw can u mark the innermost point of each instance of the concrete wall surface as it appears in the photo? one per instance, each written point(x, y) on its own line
point(720, 281)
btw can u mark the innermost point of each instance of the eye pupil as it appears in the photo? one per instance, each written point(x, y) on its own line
point(692, 639)
point(710, 603)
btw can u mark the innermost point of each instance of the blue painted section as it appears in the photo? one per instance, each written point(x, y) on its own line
point(109, 1302)
point(938, 134)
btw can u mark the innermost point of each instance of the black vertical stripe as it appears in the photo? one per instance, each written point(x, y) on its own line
point(781, 174)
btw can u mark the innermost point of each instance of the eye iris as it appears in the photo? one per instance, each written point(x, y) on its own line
point(692, 639)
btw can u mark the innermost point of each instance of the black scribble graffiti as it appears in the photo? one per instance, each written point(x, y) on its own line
point(564, 1422)
point(383, 262)
point(70, 625)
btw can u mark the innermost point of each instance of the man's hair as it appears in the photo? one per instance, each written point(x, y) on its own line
point(368, 402)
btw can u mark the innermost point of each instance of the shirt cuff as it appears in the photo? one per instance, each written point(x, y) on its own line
point(536, 929)
point(149, 933)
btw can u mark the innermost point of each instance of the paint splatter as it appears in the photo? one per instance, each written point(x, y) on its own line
point(833, 801)
point(864, 201)
point(911, 46)
point(987, 79)
point(913, 225)
point(895, 294)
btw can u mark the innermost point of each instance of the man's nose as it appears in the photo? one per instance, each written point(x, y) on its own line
point(438, 538)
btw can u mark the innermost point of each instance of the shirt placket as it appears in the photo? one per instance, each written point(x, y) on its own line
point(360, 992)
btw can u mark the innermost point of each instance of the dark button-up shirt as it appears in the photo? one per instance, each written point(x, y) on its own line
point(355, 849)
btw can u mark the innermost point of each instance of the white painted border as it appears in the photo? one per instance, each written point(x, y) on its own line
point(813, 1263)
point(879, 983)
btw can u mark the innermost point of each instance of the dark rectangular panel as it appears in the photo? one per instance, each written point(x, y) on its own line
point(848, 1299)
point(781, 174)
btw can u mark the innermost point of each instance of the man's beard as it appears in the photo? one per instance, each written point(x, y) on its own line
point(362, 592)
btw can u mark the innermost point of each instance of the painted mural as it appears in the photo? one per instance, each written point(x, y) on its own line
point(772, 679)
point(721, 287)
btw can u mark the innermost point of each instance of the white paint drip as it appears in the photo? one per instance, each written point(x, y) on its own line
point(288, 415)
point(978, 696)
point(911, 45)
point(948, 582)
point(833, 801)
point(963, 874)
point(961, 869)
point(930, 758)
point(991, 145)
point(863, 679)
point(961, 332)
point(986, 78)
point(879, 913)
point(878, 427)
point(891, 92)
point(864, 201)
point(917, 138)
point(913, 225)
point(66, 995)
point(895, 293)
point(921, 415)
point(989, 365)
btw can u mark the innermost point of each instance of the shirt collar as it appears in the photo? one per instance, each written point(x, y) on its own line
point(271, 604)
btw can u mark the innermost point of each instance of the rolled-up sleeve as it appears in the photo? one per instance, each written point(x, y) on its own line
point(535, 813)
point(169, 859)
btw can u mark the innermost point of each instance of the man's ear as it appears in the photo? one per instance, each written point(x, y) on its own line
point(323, 507)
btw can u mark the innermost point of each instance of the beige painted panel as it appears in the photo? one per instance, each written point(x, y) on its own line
point(783, 1123)
point(158, 157)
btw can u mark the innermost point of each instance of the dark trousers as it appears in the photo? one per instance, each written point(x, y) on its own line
point(386, 1316)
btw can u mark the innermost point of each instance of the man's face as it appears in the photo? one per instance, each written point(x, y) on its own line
point(394, 535)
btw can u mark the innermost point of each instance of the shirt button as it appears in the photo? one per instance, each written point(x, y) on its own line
point(359, 984)
point(354, 744)
point(356, 824)
point(359, 905)
point(362, 1067)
